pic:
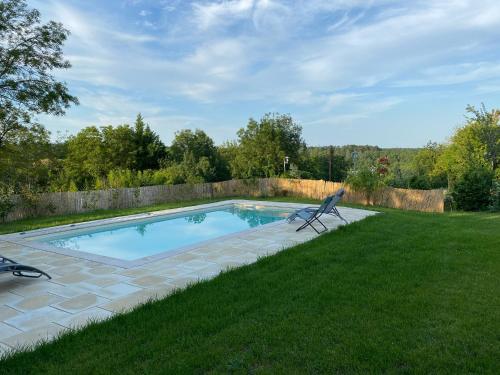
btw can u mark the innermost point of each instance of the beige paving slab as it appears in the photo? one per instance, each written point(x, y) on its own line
point(85, 317)
point(36, 318)
point(104, 281)
point(117, 290)
point(102, 270)
point(34, 336)
point(73, 278)
point(79, 303)
point(7, 312)
point(130, 301)
point(149, 280)
point(135, 272)
point(37, 301)
point(7, 331)
point(8, 297)
point(184, 281)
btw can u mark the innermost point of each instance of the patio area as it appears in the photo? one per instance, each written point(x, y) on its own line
point(81, 289)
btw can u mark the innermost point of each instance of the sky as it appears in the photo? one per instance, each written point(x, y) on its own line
point(387, 73)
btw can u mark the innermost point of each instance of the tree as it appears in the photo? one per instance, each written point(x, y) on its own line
point(198, 143)
point(150, 150)
point(474, 146)
point(85, 161)
point(27, 159)
point(263, 145)
point(425, 175)
point(198, 155)
point(119, 147)
point(29, 52)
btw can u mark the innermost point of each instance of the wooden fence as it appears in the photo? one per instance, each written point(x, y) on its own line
point(75, 202)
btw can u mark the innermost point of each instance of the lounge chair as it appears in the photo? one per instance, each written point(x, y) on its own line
point(312, 216)
point(330, 210)
point(8, 265)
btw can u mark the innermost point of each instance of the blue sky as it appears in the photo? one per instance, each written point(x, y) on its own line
point(391, 73)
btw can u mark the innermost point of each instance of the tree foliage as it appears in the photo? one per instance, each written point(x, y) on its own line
point(29, 52)
point(368, 177)
point(263, 145)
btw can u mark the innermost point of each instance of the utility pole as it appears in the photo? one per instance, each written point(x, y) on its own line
point(286, 160)
point(330, 161)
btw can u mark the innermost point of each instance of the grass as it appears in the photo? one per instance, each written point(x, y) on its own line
point(401, 292)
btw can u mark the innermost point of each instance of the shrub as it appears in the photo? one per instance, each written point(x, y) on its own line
point(30, 200)
point(472, 191)
point(367, 179)
point(6, 201)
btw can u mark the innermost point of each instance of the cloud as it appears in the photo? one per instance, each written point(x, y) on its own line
point(218, 14)
point(320, 58)
point(453, 74)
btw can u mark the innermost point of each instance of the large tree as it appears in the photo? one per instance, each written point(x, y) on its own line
point(263, 145)
point(198, 156)
point(150, 150)
point(29, 52)
point(474, 146)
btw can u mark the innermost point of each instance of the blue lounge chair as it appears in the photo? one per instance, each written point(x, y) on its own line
point(8, 265)
point(311, 217)
point(330, 210)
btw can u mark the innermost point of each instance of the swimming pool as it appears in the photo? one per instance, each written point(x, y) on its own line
point(144, 238)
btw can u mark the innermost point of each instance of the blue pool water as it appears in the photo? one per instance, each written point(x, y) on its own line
point(138, 239)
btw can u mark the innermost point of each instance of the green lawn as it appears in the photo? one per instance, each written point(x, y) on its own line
point(401, 292)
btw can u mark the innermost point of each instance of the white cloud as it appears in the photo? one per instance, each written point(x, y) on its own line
point(209, 15)
point(454, 74)
point(327, 57)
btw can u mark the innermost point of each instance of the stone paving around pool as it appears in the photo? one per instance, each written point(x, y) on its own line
point(81, 290)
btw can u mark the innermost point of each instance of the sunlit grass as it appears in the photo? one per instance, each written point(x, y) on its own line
point(402, 292)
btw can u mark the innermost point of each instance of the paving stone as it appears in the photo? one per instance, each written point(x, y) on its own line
point(207, 272)
point(67, 261)
point(31, 289)
point(128, 302)
point(34, 336)
point(135, 272)
point(102, 270)
point(117, 290)
point(65, 270)
point(106, 280)
point(7, 331)
point(183, 282)
point(7, 312)
point(72, 278)
point(149, 280)
point(36, 302)
point(9, 298)
point(196, 264)
point(79, 303)
point(85, 317)
point(36, 318)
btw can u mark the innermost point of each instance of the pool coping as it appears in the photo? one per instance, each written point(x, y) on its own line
point(23, 238)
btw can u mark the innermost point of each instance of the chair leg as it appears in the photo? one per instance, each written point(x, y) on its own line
point(309, 223)
point(20, 269)
point(336, 212)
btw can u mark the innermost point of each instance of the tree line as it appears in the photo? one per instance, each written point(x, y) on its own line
point(129, 156)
